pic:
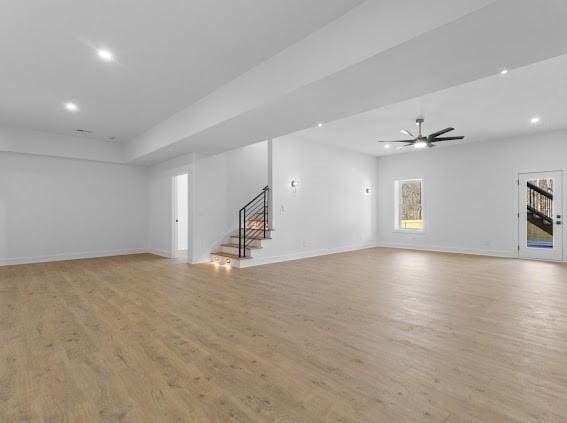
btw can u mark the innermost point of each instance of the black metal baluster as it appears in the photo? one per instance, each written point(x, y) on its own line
point(240, 233)
point(252, 209)
point(244, 232)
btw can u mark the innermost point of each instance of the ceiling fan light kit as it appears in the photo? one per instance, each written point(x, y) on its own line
point(422, 141)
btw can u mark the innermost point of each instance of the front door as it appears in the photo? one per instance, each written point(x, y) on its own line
point(540, 215)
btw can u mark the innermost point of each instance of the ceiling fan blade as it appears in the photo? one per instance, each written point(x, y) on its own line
point(408, 133)
point(398, 141)
point(446, 138)
point(430, 145)
point(441, 132)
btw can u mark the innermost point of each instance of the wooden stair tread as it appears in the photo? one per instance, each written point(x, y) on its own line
point(231, 256)
point(255, 238)
point(253, 247)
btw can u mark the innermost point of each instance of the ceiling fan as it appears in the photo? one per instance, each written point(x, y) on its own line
point(422, 141)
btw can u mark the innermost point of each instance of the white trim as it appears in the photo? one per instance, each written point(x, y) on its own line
point(173, 238)
point(557, 252)
point(519, 171)
point(437, 249)
point(70, 256)
point(173, 217)
point(259, 261)
point(410, 231)
point(216, 245)
point(397, 188)
point(202, 259)
point(161, 253)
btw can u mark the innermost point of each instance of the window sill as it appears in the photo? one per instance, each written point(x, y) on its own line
point(409, 231)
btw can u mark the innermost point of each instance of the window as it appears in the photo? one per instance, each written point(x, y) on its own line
point(409, 205)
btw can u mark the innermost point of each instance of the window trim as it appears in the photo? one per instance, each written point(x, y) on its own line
point(397, 189)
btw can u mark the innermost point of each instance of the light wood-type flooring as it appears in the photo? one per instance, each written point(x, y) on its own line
point(377, 335)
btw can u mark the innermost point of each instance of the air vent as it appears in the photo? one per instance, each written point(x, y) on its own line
point(83, 131)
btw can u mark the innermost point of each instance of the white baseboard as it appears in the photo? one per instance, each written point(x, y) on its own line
point(69, 256)
point(215, 246)
point(471, 251)
point(259, 261)
point(161, 253)
point(167, 254)
point(202, 259)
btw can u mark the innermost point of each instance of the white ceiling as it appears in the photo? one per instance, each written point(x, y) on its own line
point(495, 107)
point(169, 54)
point(206, 76)
point(476, 45)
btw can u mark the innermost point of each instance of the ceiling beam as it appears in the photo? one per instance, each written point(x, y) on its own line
point(367, 31)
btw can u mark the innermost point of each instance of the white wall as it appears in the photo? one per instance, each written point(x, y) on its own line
point(211, 213)
point(223, 184)
point(219, 186)
point(160, 201)
point(330, 211)
point(470, 192)
point(17, 140)
point(182, 213)
point(55, 208)
point(247, 172)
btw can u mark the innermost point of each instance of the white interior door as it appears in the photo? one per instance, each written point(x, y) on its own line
point(182, 211)
point(180, 206)
point(540, 220)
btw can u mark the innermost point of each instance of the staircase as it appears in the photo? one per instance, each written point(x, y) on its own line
point(251, 236)
point(540, 208)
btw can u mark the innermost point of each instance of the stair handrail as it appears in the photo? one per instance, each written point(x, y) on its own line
point(540, 190)
point(256, 210)
point(540, 207)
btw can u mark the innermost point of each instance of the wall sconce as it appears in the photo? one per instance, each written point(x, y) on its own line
point(227, 261)
point(294, 184)
point(368, 191)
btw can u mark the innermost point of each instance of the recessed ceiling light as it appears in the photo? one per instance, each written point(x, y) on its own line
point(72, 107)
point(387, 146)
point(105, 54)
point(319, 124)
point(503, 71)
point(534, 120)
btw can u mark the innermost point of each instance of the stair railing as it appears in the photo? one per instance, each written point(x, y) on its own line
point(540, 200)
point(253, 220)
point(540, 205)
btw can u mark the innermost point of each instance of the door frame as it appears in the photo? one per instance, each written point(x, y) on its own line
point(561, 178)
point(173, 214)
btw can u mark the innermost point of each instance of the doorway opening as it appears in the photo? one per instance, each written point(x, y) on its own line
point(540, 215)
point(180, 216)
